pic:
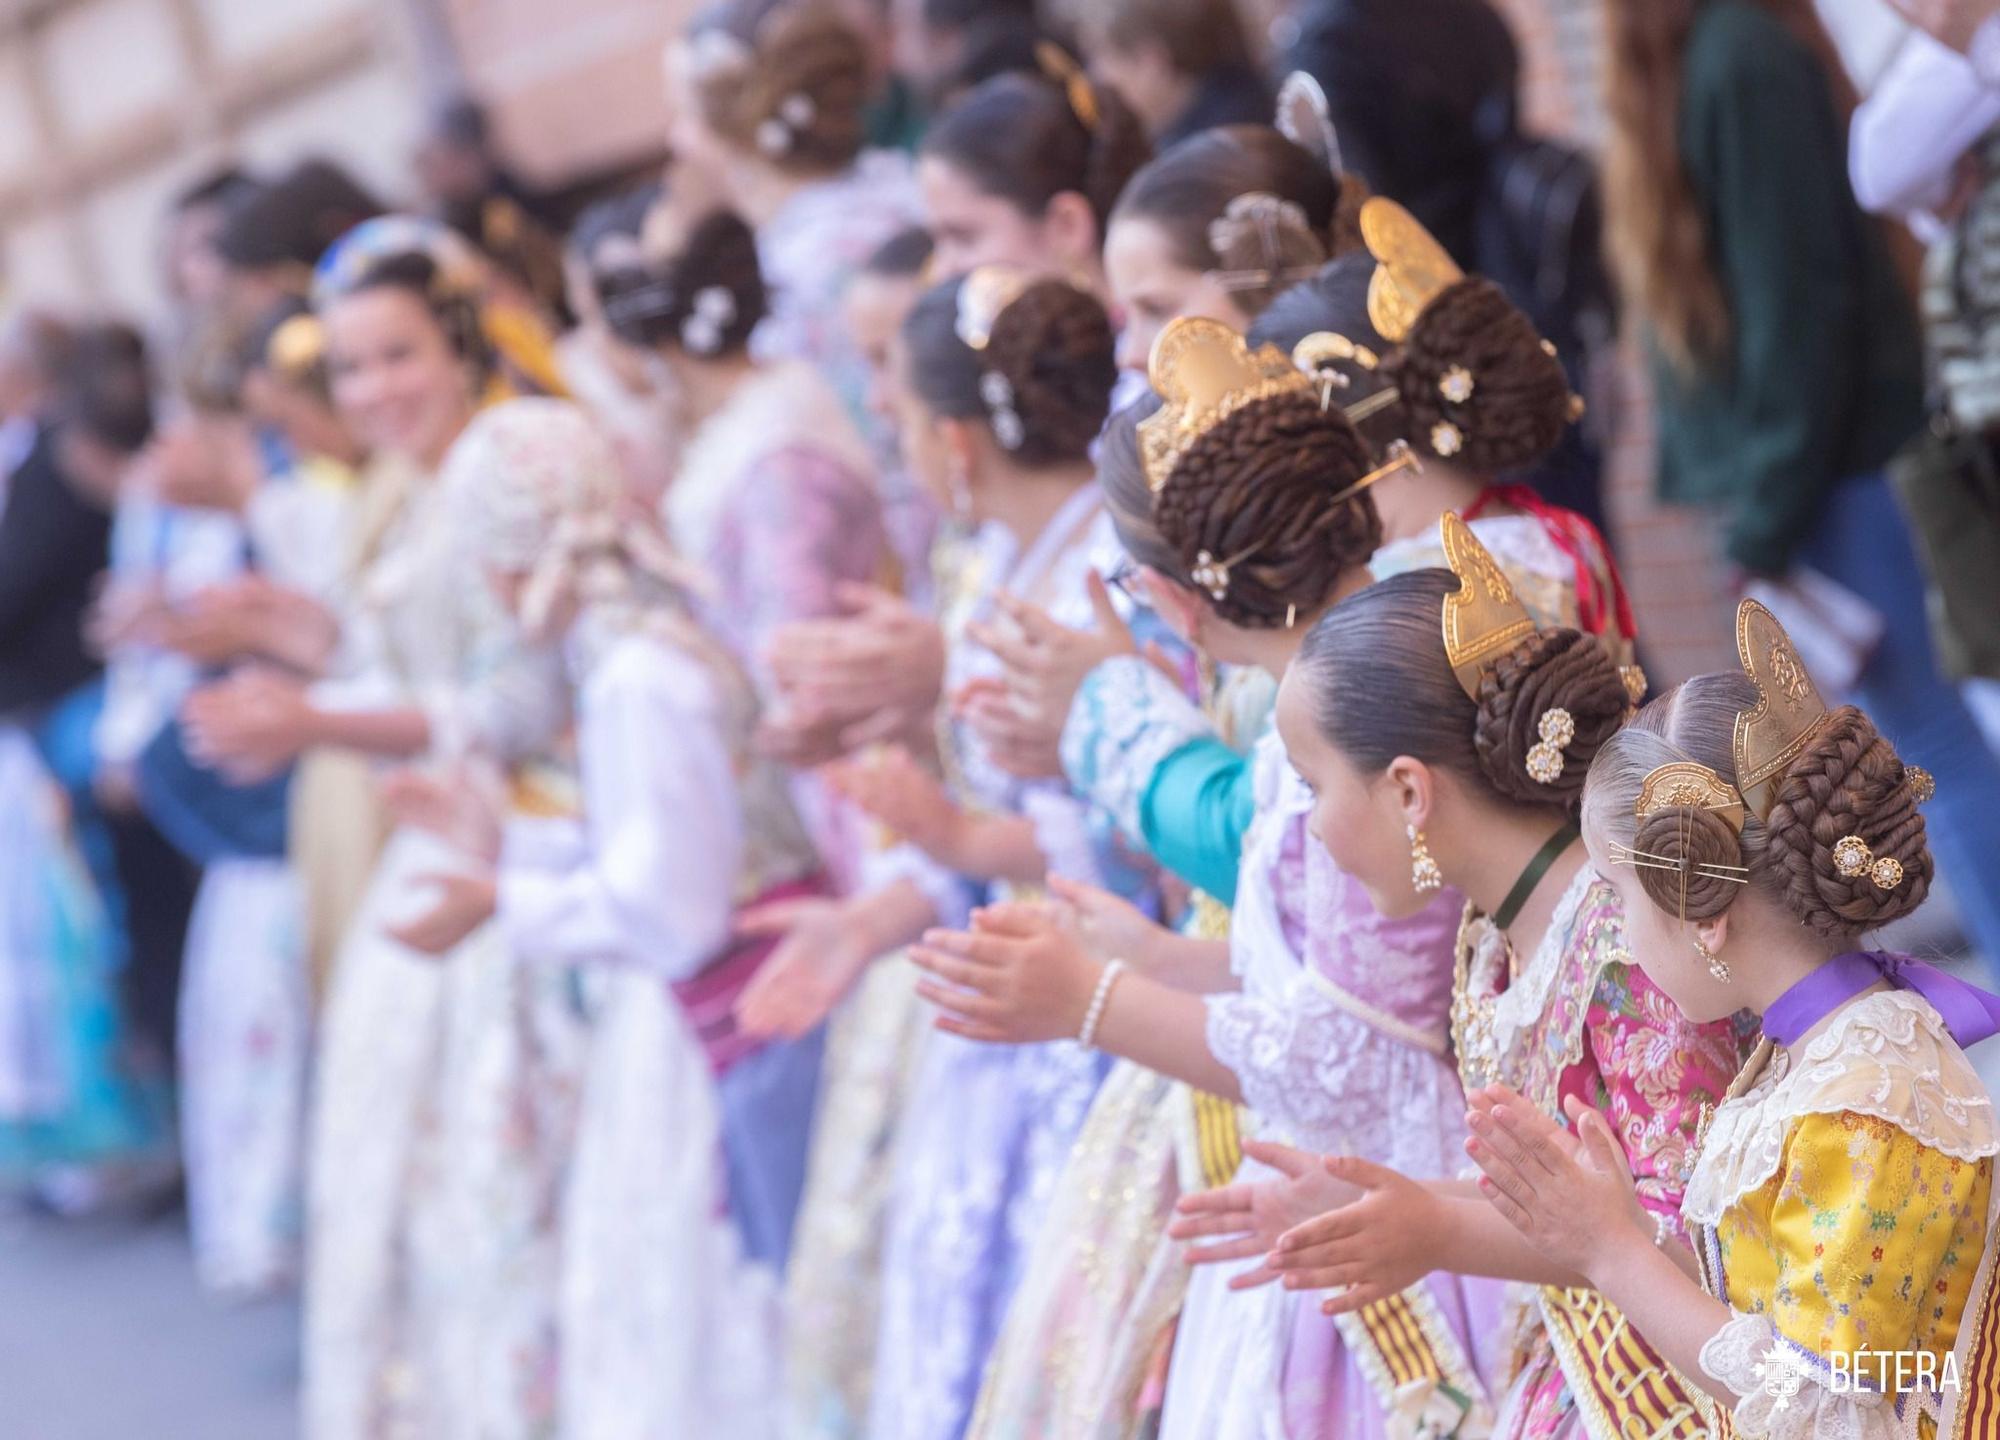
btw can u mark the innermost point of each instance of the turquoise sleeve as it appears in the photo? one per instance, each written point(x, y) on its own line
point(1194, 812)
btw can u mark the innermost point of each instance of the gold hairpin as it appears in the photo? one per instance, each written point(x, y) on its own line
point(1483, 618)
point(1322, 354)
point(1647, 860)
point(1401, 457)
point(983, 296)
point(1788, 713)
point(1411, 268)
point(1056, 63)
point(1686, 785)
point(1204, 372)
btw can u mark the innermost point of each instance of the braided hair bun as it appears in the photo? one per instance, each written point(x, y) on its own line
point(1849, 781)
point(1689, 838)
point(1846, 782)
point(1480, 387)
point(1549, 670)
point(1265, 483)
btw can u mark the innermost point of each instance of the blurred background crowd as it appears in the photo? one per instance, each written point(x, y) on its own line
point(206, 509)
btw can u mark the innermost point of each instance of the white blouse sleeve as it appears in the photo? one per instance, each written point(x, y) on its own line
point(1908, 136)
point(1785, 1399)
point(648, 876)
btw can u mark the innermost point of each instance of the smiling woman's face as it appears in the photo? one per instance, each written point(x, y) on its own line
point(396, 379)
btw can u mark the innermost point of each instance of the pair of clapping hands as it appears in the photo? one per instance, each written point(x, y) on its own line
point(875, 672)
point(1343, 1223)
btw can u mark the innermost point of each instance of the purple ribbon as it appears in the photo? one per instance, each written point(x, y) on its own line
point(1970, 1013)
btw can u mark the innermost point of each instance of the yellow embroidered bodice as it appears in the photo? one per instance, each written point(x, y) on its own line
point(1865, 1236)
point(1842, 1205)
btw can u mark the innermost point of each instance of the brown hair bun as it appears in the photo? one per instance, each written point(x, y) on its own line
point(1055, 346)
point(1042, 381)
point(1262, 484)
point(798, 95)
point(1849, 781)
point(1517, 403)
point(1551, 669)
point(1693, 838)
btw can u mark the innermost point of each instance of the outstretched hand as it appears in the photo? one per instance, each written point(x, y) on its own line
point(1243, 1221)
point(817, 961)
point(1569, 1194)
point(249, 726)
point(1381, 1242)
point(1019, 975)
point(464, 902)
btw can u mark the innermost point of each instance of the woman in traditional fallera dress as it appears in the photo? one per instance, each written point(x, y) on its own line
point(1132, 743)
point(430, 1276)
point(666, 1329)
point(1258, 497)
point(1445, 738)
point(1841, 1206)
point(772, 497)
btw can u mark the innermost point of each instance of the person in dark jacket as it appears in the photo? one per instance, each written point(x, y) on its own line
point(54, 542)
point(1786, 363)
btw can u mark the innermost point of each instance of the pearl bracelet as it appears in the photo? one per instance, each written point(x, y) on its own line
point(1093, 1016)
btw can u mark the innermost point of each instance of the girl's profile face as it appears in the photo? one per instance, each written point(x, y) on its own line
point(1152, 287)
point(1357, 817)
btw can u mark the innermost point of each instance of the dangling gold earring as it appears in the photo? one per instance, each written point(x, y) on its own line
point(1424, 873)
point(1717, 966)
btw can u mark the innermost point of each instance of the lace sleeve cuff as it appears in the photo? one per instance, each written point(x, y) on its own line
point(1787, 1393)
point(1125, 721)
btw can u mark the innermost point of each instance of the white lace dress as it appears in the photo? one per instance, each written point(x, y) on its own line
point(1338, 1040)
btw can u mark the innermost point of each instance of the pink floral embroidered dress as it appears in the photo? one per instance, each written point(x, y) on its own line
point(1578, 1018)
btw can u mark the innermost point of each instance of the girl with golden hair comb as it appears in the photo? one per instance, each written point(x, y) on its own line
point(1841, 1208)
point(1446, 738)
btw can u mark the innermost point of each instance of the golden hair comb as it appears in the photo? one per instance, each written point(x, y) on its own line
point(1483, 618)
point(1411, 268)
point(1788, 713)
point(1205, 372)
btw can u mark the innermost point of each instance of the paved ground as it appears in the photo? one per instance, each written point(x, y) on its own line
point(105, 1336)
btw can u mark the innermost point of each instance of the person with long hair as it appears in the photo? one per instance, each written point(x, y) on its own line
point(1841, 1211)
point(1785, 355)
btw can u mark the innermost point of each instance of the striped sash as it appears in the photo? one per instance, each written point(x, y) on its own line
point(1623, 1389)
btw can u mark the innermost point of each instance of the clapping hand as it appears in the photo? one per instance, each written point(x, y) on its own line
point(1569, 1194)
point(1244, 1220)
